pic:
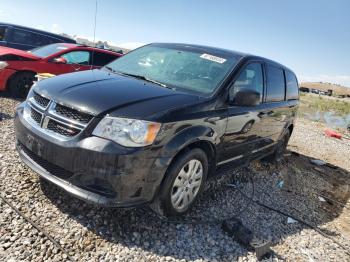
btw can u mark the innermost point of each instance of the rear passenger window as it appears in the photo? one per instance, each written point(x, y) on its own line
point(275, 84)
point(292, 86)
point(42, 40)
point(101, 59)
point(23, 37)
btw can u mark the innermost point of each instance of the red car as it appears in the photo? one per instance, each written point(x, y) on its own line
point(18, 68)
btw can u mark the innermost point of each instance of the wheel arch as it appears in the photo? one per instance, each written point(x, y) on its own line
point(202, 137)
point(16, 74)
point(205, 145)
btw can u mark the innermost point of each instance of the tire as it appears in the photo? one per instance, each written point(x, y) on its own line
point(181, 187)
point(277, 155)
point(247, 127)
point(20, 84)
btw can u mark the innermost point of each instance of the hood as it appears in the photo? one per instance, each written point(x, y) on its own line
point(99, 92)
point(7, 54)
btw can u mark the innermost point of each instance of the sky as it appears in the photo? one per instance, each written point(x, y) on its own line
point(310, 37)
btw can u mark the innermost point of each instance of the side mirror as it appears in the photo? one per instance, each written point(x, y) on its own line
point(60, 60)
point(246, 97)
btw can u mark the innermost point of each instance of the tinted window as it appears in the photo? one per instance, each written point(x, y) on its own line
point(77, 57)
point(48, 50)
point(23, 37)
point(250, 78)
point(2, 33)
point(292, 86)
point(101, 59)
point(42, 40)
point(275, 84)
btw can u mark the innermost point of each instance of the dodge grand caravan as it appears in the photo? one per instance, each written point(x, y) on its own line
point(152, 126)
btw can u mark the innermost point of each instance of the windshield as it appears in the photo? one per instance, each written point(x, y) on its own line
point(48, 50)
point(184, 69)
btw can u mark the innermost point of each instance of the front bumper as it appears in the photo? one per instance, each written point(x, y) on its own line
point(93, 169)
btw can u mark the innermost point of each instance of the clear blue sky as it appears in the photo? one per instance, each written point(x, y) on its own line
point(310, 37)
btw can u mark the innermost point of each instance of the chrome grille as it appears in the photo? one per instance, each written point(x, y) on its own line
point(62, 129)
point(42, 101)
point(72, 114)
point(36, 116)
point(54, 119)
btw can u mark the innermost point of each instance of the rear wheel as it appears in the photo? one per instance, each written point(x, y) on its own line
point(20, 84)
point(183, 183)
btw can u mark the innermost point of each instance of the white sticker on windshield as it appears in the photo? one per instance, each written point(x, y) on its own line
point(62, 48)
point(213, 58)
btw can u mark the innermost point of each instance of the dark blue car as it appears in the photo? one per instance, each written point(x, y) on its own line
point(26, 38)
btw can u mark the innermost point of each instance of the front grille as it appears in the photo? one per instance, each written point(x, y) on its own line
point(49, 167)
point(61, 120)
point(73, 114)
point(42, 101)
point(62, 129)
point(36, 116)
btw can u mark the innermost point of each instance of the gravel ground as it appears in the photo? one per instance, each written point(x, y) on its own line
point(91, 233)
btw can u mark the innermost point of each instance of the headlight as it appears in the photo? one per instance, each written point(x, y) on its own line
point(3, 64)
point(127, 132)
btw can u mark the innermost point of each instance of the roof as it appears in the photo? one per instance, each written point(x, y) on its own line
point(38, 31)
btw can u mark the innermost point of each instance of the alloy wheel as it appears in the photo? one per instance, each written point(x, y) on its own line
point(187, 184)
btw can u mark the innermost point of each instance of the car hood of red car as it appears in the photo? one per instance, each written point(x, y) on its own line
point(12, 51)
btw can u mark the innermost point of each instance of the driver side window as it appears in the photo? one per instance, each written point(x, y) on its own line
point(77, 57)
point(250, 78)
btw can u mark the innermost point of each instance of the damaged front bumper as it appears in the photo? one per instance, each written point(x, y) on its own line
point(93, 169)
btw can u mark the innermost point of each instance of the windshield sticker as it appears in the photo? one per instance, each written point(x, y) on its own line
point(62, 48)
point(213, 58)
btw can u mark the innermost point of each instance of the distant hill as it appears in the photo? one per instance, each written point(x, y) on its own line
point(337, 89)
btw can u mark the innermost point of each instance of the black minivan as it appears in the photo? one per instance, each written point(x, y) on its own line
point(152, 126)
point(26, 38)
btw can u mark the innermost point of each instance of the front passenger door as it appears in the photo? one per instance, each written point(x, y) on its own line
point(77, 60)
point(246, 125)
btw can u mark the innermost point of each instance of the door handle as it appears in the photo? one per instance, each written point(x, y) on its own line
point(265, 114)
point(213, 120)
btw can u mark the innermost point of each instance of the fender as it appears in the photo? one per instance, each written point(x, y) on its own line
point(189, 136)
point(176, 144)
point(14, 73)
point(5, 75)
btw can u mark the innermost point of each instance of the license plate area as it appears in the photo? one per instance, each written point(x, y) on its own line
point(34, 145)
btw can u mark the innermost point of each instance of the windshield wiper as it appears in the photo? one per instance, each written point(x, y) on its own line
point(109, 69)
point(144, 78)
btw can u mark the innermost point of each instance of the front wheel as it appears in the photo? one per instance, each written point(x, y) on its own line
point(183, 183)
point(20, 84)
